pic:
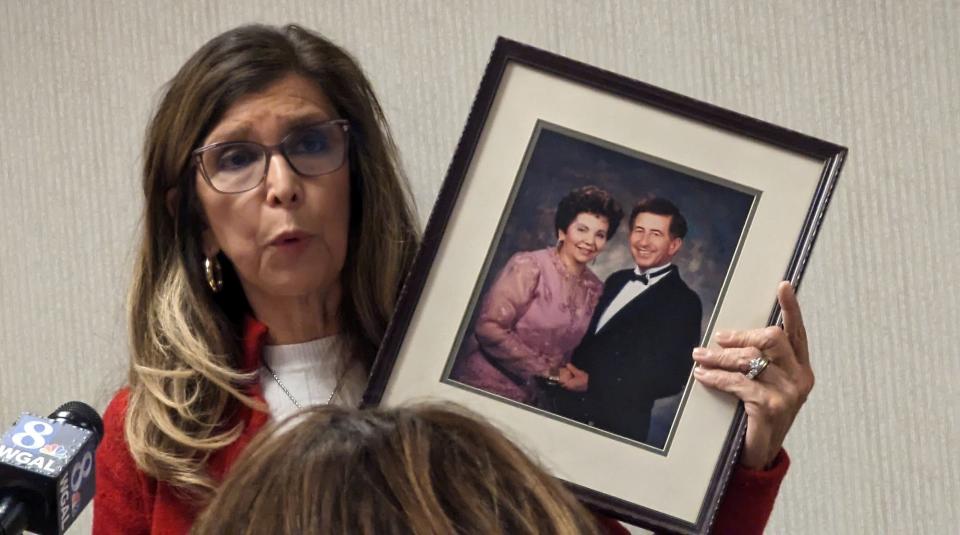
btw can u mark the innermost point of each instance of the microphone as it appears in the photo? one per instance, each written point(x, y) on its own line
point(46, 469)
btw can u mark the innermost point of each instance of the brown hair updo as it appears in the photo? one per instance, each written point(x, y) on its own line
point(590, 200)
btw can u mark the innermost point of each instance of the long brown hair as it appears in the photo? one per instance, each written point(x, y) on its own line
point(185, 381)
point(424, 469)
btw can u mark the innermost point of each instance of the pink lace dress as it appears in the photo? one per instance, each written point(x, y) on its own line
point(531, 320)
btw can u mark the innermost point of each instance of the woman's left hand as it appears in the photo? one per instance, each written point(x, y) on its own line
point(773, 399)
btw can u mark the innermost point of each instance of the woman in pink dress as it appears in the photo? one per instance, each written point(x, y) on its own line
point(539, 307)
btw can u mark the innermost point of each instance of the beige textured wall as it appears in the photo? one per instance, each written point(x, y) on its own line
point(872, 450)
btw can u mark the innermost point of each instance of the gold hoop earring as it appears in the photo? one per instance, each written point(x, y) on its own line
point(211, 267)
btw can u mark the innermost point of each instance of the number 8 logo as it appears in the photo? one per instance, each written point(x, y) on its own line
point(34, 435)
point(80, 471)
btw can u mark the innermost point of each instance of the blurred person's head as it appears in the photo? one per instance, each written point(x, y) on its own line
point(424, 470)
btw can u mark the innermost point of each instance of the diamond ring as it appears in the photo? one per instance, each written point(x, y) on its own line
point(757, 366)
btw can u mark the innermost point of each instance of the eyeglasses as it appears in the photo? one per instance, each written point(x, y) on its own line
point(238, 166)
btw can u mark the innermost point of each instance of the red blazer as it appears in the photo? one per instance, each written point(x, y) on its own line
point(128, 502)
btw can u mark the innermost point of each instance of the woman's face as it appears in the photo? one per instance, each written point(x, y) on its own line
point(286, 237)
point(584, 238)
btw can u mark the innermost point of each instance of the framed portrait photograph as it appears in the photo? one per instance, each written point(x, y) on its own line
point(590, 232)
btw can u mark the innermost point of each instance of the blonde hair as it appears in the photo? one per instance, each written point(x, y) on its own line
point(424, 470)
point(185, 379)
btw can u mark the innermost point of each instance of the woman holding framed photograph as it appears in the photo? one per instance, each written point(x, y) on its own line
point(276, 217)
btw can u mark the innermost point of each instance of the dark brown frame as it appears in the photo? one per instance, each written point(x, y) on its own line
point(506, 51)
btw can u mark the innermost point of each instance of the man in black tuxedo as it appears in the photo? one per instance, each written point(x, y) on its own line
point(644, 328)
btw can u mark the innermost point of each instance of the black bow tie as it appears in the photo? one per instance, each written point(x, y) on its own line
point(645, 277)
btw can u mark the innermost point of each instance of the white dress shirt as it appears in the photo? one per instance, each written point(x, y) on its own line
point(629, 292)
